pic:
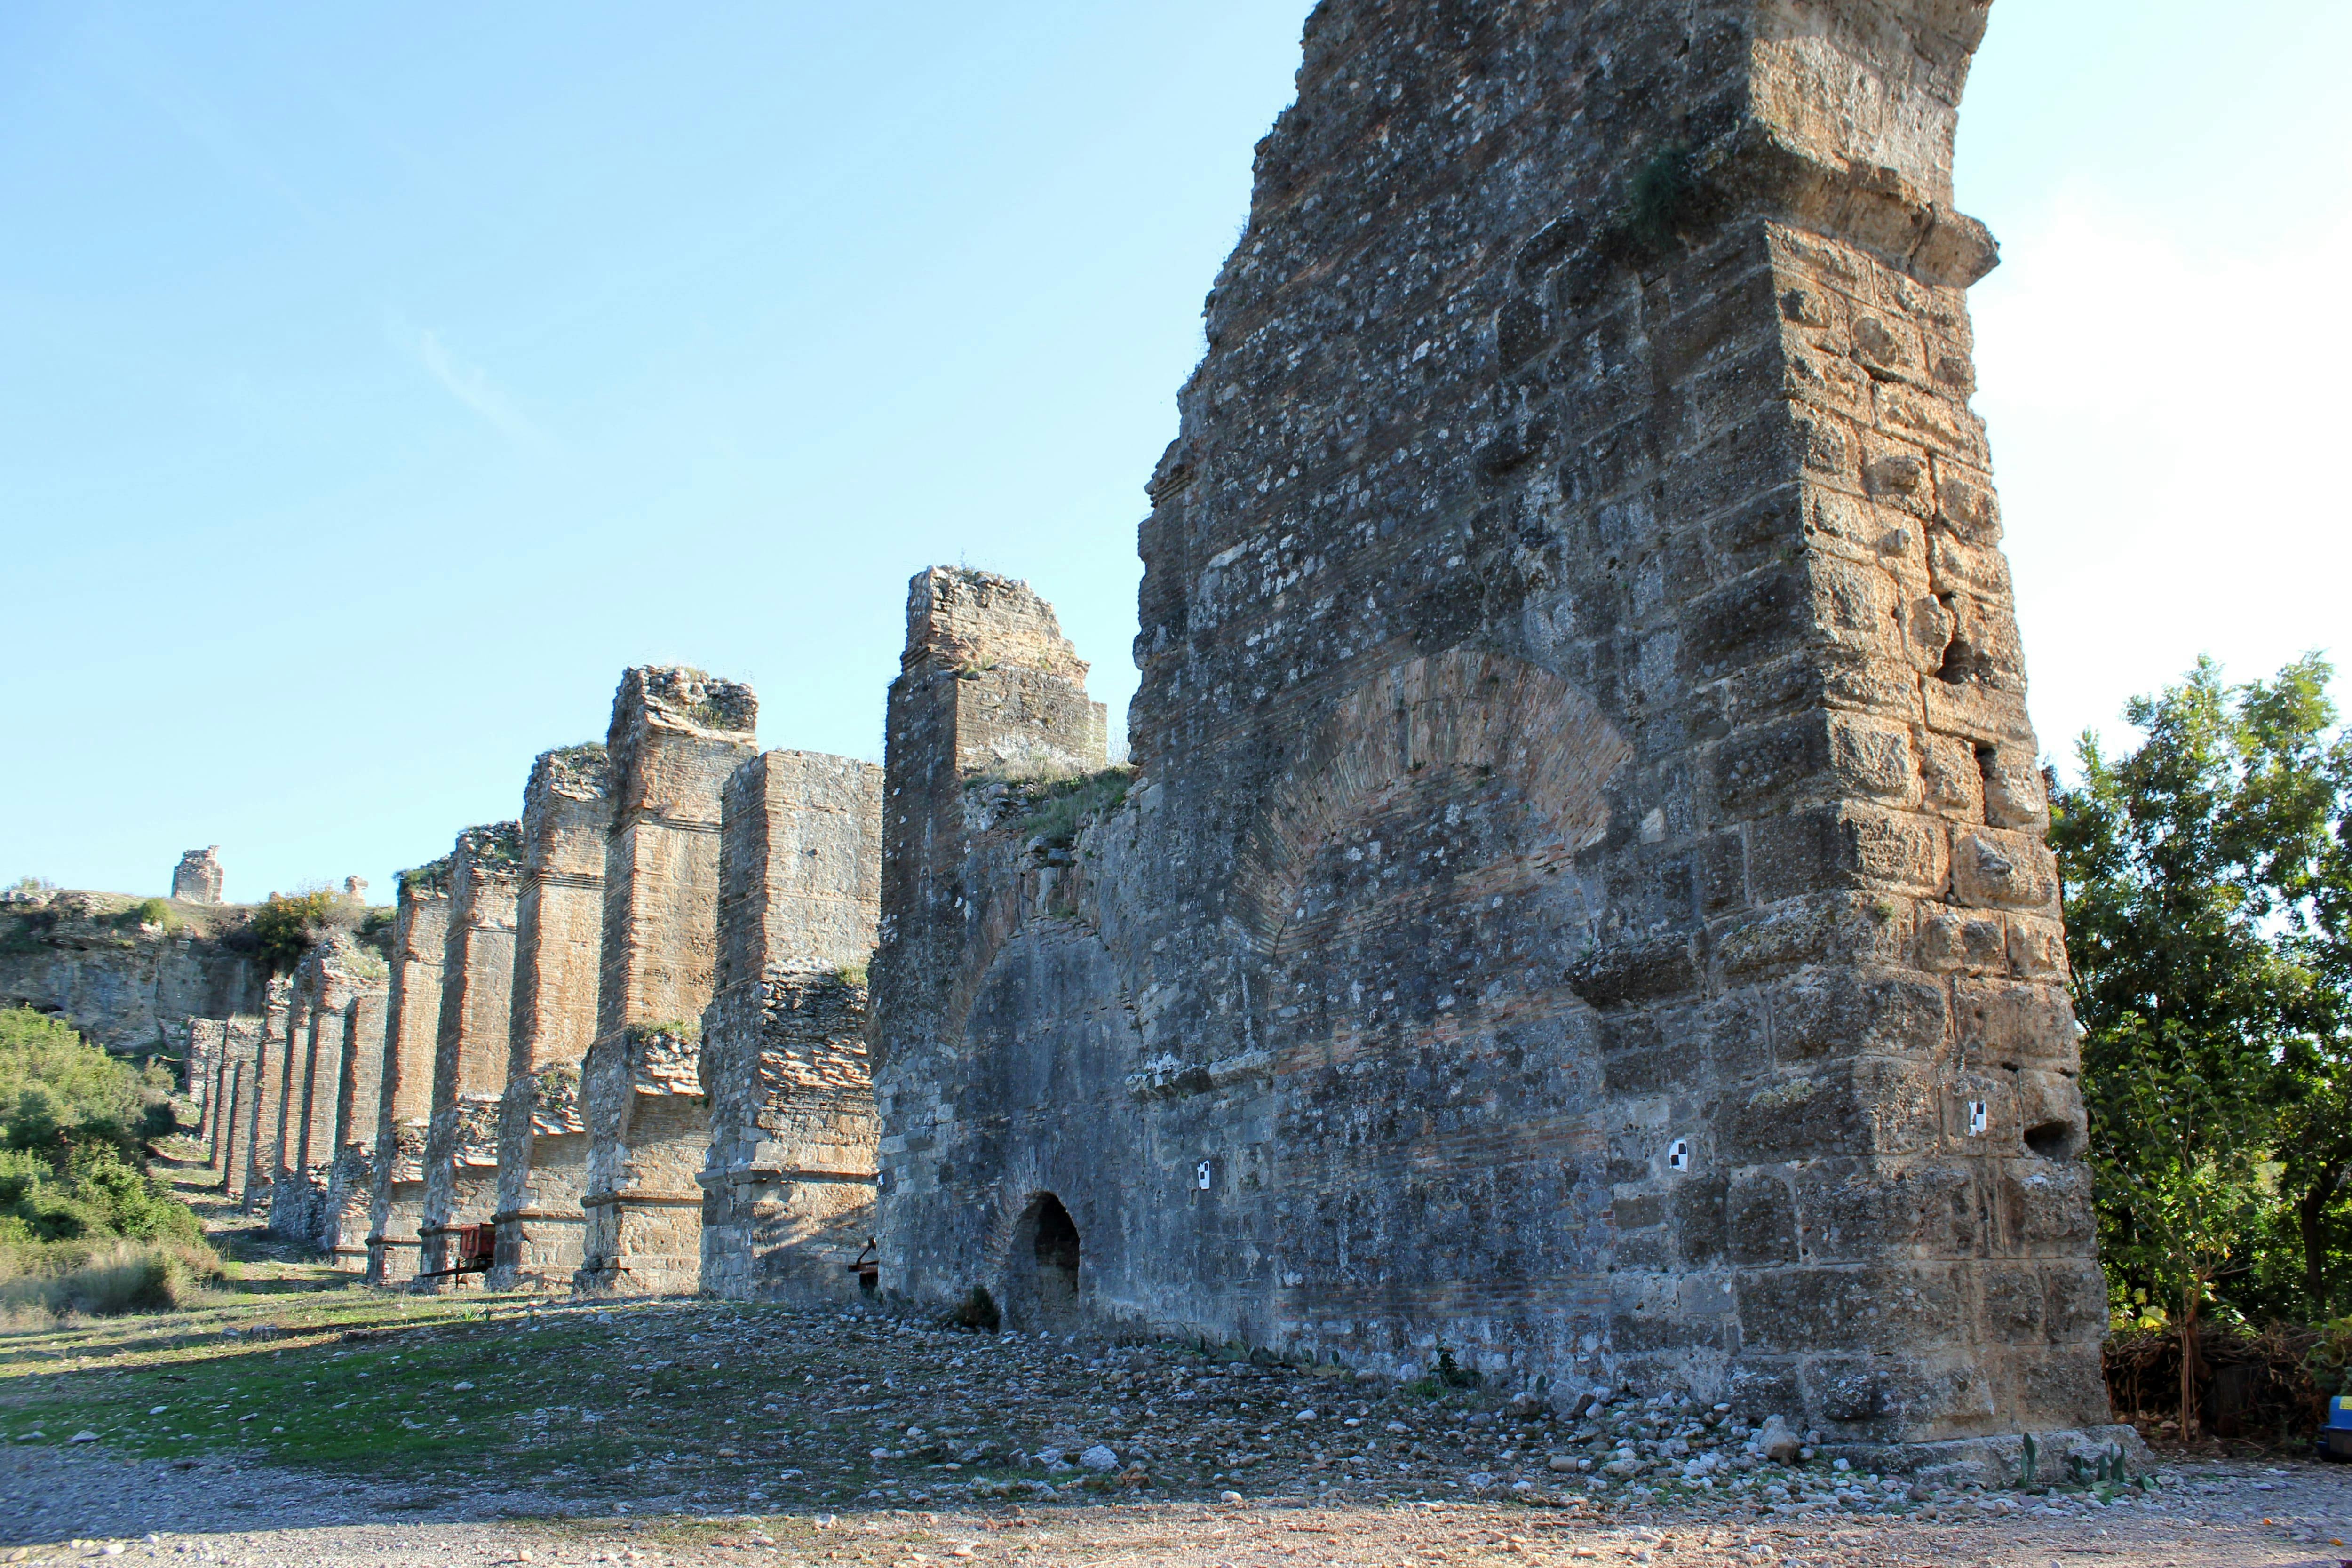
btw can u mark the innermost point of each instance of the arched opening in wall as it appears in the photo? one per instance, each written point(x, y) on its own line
point(1044, 1262)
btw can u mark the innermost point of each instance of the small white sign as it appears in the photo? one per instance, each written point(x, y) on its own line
point(1978, 1119)
point(1200, 1175)
point(1678, 1154)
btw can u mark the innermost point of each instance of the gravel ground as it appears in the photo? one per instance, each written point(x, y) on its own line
point(62, 1504)
point(336, 1425)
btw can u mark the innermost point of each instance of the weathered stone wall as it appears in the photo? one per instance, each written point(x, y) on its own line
point(350, 1183)
point(233, 1084)
point(200, 1065)
point(676, 736)
point(789, 1182)
point(326, 982)
point(405, 1087)
point(470, 1060)
point(567, 816)
point(266, 1131)
point(1584, 903)
point(196, 879)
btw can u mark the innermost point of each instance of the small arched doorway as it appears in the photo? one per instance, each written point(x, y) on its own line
point(1042, 1272)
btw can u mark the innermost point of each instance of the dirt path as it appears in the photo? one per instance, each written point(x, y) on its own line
point(62, 1507)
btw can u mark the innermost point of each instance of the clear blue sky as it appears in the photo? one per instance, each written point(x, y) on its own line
point(380, 380)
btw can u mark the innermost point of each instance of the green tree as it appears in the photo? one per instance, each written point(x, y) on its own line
point(2191, 872)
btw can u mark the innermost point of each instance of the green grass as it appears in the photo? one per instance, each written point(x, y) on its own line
point(601, 1404)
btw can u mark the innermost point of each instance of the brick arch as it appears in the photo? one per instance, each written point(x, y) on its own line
point(1459, 710)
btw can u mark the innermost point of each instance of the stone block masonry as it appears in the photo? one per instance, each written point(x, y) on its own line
point(567, 816)
point(412, 1034)
point(196, 879)
point(470, 1058)
point(987, 719)
point(676, 736)
point(328, 981)
point(789, 1185)
point(351, 1183)
point(1583, 906)
point(234, 1086)
point(266, 1127)
point(200, 1070)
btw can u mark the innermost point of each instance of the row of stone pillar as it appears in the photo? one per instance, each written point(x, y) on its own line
point(626, 1031)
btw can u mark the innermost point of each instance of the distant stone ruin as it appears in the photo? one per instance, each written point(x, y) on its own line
point(1578, 907)
point(196, 879)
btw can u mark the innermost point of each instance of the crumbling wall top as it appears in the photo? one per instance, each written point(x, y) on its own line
point(489, 849)
point(679, 697)
point(580, 773)
point(958, 618)
point(430, 880)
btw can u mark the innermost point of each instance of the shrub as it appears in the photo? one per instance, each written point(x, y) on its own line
point(1069, 804)
point(285, 928)
point(977, 1311)
point(73, 1125)
point(105, 1279)
point(59, 1091)
point(149, 912)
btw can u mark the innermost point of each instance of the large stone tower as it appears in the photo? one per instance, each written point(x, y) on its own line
point(1583, 904)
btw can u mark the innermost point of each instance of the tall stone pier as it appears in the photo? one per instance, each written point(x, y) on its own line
point(265, 1113)
point(200, 1065)
point(328, 981)
point(567, 815)
point(412, 1035)
point(232, 1127)
point(789, 1186)
point(346, 1221)
point(1583, 905)
point(469, 1059)
point(676, 736)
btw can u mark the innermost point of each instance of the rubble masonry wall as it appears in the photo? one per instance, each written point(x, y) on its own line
point(1583, 904)
point(789, 1182)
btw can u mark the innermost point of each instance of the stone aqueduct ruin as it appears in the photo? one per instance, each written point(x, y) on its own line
point(1581, 900)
